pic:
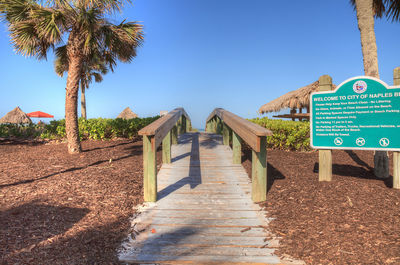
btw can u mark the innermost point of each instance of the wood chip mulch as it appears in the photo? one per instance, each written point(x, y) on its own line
point(57, 208)
point(355, 219)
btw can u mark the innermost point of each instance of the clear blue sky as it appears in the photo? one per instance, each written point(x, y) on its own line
point(202, 54)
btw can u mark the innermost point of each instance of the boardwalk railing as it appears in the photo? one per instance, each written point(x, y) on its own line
point(236, 129)
point(165, 130)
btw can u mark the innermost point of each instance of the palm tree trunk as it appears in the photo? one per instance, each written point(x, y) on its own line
point(365, 18)
point(71, 104)
point(83, 101)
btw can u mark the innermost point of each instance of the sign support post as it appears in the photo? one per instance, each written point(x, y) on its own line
point(325, 156)
point(396, 155)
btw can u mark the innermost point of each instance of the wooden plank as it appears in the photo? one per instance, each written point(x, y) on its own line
point(206, 230)
point(243, 222)
point(205, 214)
point(160, 258)
point(213, 214)
point(259, 172)
point(178, 250)
point(149, 169)
point(167, 239)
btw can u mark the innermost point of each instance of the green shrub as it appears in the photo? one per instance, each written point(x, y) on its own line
point(287, 135)
point(20, 130)
point(96, 129)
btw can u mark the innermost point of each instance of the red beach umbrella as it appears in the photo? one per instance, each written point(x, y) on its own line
point(39, 114)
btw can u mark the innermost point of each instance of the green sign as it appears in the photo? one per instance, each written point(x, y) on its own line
point(362, 113)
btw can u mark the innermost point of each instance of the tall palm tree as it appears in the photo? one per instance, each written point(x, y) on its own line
point(366, 11)
point(37, 26)
point(93, 67)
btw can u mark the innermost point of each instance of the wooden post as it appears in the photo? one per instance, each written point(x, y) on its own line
point(188, 125)
point(236, 148)
point(218, 126)
point(214, 125)
point(149, 168)
point(259, 172)
point(396, 155)
point(225, 134)
point(179, 125)
point(183, 125)
point(174, 135)
point(396, 170)
point(325, 156)
point(293, 111)
point(166, 149)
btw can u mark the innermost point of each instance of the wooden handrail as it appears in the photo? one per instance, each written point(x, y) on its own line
point(161, 127)
point(248, 131)
point(235, 129)
point(164, 130)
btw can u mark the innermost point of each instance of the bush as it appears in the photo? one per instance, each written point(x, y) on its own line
point(287, 135)
point(20, 130)
point(96, 129)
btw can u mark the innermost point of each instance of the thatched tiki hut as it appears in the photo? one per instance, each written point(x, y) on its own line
point(294, 100)
point(16, 116)
point(127, 114)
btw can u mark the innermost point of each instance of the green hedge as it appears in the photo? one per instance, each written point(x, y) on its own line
point(20, 130)
point(287, 135)
point(96, 129)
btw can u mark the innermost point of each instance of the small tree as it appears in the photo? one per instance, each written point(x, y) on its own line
point(37, 26)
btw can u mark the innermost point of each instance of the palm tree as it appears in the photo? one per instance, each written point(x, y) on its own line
point(37, 26)
point(94, 67)
point(366, 11)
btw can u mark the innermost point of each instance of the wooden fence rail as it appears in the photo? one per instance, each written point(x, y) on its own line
point(236, 129)
point(165, 130)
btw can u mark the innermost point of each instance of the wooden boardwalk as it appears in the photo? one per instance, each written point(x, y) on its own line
point(204, 213)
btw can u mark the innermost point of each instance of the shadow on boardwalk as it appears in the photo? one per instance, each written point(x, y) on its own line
point(194, 177)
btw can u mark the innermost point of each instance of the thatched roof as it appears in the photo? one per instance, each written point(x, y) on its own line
point(127, 114)
point(299, 98)
point(15, 116)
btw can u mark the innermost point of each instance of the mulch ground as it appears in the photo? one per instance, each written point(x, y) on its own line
point(354, 219)
point(74, 209)
point(57, 208)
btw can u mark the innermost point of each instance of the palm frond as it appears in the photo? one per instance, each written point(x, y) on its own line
point(106, 6)
point(379, 8)
point(393, 9)
point(97, 77)
point(61, 63)
point(121, 40)
point(377, 5)
point(33, 28)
